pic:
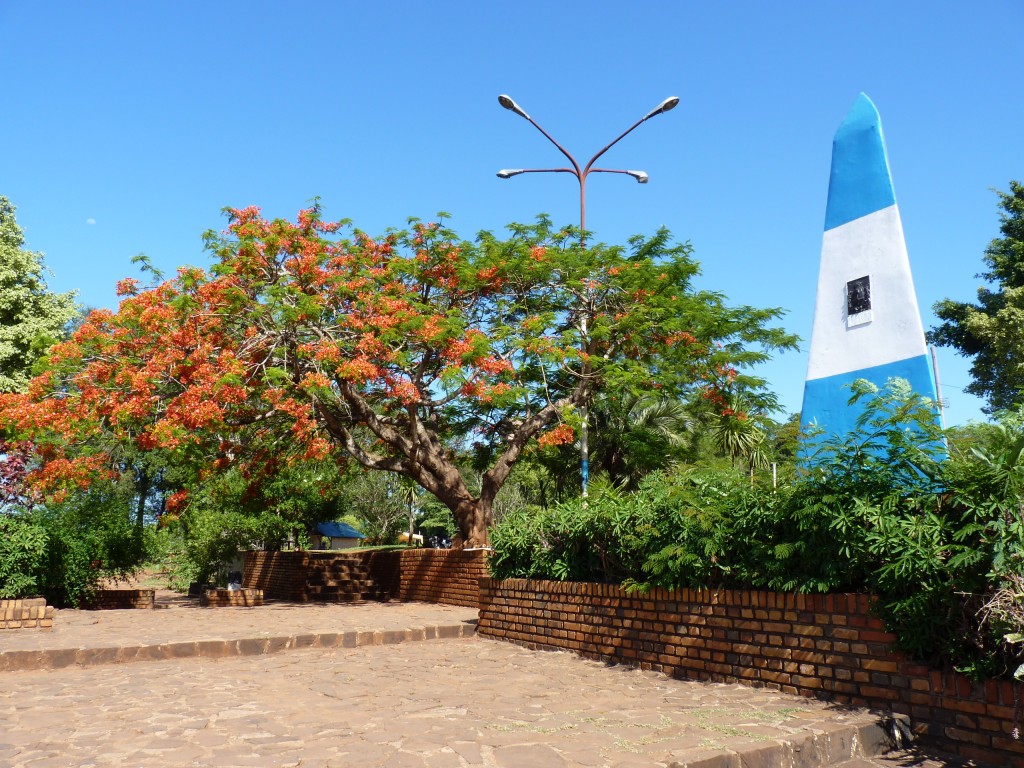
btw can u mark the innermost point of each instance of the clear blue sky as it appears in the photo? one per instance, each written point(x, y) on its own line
point(128, 126)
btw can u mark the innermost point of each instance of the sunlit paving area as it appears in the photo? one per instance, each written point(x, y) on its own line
point(447, 702)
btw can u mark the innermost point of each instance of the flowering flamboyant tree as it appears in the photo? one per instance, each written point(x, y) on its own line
point(394, 352)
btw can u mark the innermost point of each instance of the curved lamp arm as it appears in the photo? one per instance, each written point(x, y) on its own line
point(664, 106)
point(508, 103)
point(640, 176)
point(508, 173)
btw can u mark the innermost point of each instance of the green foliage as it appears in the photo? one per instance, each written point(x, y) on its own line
point(62, 551)
point(738, 436)
point(212, 538)
point(32, 318)
point(434, 519)
point(379, 503)
point(22, 556)
point(991, 331)
point(1003, 616)
point(667, 526)
point(636, 434)
point(232, 512)
point(302, 492)
point(571, 541)
point(92, 537)
point(878, 510)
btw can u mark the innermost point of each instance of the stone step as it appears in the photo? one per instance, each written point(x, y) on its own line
point(329, 592)
point(355, 583)
point(353, 598)
point(338, 572)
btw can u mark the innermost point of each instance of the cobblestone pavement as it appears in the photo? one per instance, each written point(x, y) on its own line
point(463, 701)
point(435, 703)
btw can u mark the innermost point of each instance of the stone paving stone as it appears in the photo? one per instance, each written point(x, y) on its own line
point(630, 761)
point(533, 755)
point(404, 760)
point(469, 751)
point(102, 629)
point(710, 758)
point(443, 759)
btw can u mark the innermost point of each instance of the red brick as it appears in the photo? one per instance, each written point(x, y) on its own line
point(879, 665)
point(874, 692)
point(970, 737)
point(961, 705)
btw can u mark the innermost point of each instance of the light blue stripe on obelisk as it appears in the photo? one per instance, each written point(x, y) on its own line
point(863, 237)
point(828, 398)
point(860, 182)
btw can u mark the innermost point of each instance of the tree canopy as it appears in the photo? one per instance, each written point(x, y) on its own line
point(31, 317)
point(991, 331)
point(310, 339)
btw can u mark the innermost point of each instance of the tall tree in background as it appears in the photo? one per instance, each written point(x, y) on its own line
point(32, 318)
point(395, 352)
point(992, 330)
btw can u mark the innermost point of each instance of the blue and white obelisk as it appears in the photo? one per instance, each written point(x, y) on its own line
point(866, 320)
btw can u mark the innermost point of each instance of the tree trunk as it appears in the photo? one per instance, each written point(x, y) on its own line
point(474, 519)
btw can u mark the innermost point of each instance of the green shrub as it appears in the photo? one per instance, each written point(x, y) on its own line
point(209, 539)
point(610, 536)
point(22, 556)
point(63, 550)
point(91, 537)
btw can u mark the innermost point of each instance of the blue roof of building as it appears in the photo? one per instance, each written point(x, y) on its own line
point(338, 531)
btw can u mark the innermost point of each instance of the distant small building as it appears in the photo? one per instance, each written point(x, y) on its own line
point(335, 536)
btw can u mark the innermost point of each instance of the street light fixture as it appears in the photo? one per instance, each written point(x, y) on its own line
point(508, 103)
point(668, 104)
point(581, 176)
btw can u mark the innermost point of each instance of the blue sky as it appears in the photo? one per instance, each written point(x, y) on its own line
point(129, 126)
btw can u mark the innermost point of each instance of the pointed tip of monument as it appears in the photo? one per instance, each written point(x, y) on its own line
point(860, 182)
point(862, 115)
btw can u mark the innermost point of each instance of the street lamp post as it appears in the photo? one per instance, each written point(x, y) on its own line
point(581, 176)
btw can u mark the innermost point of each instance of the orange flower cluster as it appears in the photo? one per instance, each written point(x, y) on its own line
point(563, 434)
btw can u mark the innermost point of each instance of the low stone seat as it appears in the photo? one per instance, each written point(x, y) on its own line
point(118, 599)
point(226, 598)
point(29, 613)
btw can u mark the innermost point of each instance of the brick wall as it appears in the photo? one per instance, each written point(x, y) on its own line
point(281, 575)
point(231, 598)
point(824, 646)
point(113, 599)
point(445, 576)
point(31, 613)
